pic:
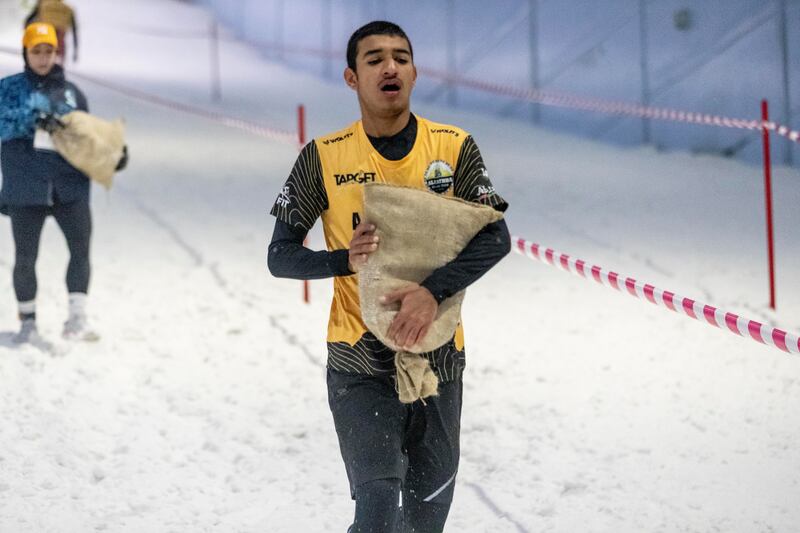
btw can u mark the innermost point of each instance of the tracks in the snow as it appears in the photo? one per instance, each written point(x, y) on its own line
point(499, 513)
point(291, 339)
point(175, 235)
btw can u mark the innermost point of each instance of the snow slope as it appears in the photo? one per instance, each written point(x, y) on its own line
point(203, 407)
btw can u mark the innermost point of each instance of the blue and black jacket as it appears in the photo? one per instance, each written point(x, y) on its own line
point(31, 176)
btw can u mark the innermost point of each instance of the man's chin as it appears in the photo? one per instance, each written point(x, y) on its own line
point(393, 109)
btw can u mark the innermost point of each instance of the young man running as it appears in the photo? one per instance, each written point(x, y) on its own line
point(388, 447)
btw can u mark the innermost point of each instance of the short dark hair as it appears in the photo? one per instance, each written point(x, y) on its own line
point(376, 27)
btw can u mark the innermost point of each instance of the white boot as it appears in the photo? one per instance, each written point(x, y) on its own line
point(27, 332)
point(27, 326)
point(76, 327)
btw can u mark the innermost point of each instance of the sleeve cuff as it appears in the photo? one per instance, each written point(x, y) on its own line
point(439, 293)
point(338, 261)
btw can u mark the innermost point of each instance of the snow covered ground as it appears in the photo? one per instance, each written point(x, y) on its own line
point(203, 407)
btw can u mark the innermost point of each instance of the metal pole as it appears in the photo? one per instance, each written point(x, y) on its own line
point(533, 43)
point(450, 13)
point(787, 98)
point(279, 28)
point(643, 61)
point(241, 26)
point(768, 197)
point(327, 39)
point(216, 83)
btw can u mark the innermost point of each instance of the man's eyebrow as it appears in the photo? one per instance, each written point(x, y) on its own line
point(395, 50)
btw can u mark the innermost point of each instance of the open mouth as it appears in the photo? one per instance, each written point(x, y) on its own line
point(390, 88)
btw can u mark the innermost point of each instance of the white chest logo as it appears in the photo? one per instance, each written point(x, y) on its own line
point(71, 99)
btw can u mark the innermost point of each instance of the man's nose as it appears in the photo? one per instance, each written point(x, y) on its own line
point(390, 67)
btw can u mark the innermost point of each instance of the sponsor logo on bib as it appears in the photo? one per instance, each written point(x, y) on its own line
point(439, 176)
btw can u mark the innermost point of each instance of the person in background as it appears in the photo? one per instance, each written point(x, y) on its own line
point(62, 17)
point(38, 182)
point(389, 448)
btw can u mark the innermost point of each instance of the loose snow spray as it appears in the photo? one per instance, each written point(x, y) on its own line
point(757, 331)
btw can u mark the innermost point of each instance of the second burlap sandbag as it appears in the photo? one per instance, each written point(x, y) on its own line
point(92, 145)
point(419, 232)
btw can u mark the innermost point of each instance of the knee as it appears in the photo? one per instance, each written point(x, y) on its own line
point(25, 259)
point(383, 488)
point(377, 506)
point(79, 257)
point(426, 514)
point(79, 249)
point(426, 518)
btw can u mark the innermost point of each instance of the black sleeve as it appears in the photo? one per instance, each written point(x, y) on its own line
point(83, 103)
point(471, 179)
point(288, 258)
point(489, 246)
point(303, 198)
point(484, 251)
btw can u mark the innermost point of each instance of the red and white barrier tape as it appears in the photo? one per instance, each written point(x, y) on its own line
point(613, 108)
point(744, 327)
point(289, 137)
point(784, 131)
point(286, 136)
point(569, 101)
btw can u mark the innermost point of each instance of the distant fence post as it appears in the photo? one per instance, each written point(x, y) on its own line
point(279, 28)
point(533, 44)
point(452, 67)
point(644, 58)
point(787, 95)
point(768, 198)
point(213, 61)
point(327, 39)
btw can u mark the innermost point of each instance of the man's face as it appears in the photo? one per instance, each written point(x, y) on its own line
point(41, 58)
point(384, 75)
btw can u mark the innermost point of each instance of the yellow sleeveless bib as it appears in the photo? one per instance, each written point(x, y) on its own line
point(348, 162)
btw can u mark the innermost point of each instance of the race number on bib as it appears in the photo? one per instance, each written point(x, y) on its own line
point(42, 141)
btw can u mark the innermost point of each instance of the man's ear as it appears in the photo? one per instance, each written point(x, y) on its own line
point(350, 78)
point(414, 80)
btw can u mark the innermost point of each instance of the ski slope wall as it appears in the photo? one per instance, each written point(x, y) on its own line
point(718, 56)
point(11, 14)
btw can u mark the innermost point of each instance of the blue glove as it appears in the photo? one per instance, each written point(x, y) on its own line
point(39, 102)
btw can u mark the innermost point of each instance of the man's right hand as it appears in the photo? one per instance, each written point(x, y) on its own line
point(363, 243)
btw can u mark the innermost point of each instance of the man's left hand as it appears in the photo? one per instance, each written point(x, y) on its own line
point(49, 122)
point(417, 311)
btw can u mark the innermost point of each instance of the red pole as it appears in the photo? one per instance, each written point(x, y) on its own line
point(768, 196)
point(301, 138)
point(301, 125)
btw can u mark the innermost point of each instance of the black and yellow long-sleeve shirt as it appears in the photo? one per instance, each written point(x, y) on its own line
point(327, 182)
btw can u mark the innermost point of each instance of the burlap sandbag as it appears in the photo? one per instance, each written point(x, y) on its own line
point(419, 231)
point(90, 144)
